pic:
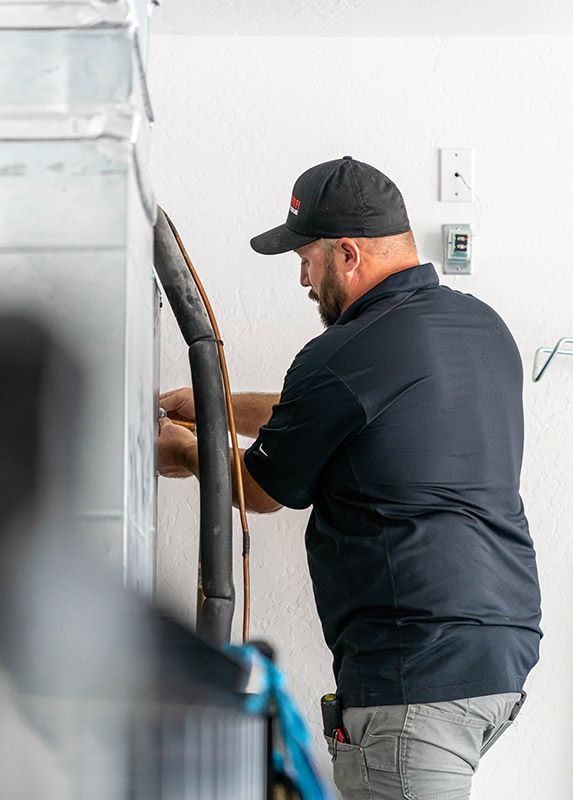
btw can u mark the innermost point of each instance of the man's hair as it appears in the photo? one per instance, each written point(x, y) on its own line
point(381, 246)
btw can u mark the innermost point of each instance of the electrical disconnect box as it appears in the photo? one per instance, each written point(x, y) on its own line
point(457, 240)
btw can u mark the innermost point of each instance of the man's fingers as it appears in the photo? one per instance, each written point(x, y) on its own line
point(175, 415)
point(178, 403)
point(174, 391)
point(172, 444)
point(173, 472)
point(170, 401)
point(171, 432)
point(189, 426)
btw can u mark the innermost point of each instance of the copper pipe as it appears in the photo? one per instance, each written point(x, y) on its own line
point(233, 431)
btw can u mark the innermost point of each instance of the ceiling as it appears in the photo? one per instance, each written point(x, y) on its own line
point(364, 17)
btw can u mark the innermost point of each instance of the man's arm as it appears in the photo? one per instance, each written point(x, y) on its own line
point(250, 409)
point(178, 458)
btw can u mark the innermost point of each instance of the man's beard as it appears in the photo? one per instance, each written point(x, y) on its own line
point(331, 297)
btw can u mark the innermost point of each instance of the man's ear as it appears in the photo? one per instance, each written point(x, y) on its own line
point(351, 253)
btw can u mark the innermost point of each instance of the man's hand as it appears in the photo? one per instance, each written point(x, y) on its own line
point(179, 404)
point(251, 410)
point(178, 458)
point(177, 450)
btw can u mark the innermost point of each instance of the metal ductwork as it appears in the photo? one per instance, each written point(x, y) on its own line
point(76, 243)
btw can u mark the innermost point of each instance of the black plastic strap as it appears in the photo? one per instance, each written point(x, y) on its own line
point(205, 338)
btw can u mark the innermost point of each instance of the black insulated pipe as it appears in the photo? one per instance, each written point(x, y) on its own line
point(216, 494)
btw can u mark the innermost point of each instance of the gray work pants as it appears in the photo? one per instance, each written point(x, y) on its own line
point(426, 751)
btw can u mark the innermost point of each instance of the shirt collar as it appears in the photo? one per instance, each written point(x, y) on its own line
point(422, 276)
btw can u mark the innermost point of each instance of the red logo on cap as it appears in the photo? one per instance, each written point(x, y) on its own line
point(294, 205)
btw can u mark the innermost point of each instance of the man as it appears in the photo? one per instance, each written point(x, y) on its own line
point(402, 425)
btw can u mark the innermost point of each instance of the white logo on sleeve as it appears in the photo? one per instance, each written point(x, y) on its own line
point(261, 449)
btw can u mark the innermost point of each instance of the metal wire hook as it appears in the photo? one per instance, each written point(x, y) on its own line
point(554, 351)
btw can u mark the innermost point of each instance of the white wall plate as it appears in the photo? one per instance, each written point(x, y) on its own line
point(456, 160)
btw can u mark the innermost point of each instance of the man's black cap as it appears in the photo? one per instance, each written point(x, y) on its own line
point(338, 198)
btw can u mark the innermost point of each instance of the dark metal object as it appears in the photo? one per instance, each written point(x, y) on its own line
point(214, 623)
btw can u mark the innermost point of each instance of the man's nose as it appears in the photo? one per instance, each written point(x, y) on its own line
point(304, 281)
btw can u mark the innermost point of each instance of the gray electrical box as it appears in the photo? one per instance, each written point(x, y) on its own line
point(457, 246)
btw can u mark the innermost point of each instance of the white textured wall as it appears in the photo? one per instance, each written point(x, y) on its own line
point(238, 120)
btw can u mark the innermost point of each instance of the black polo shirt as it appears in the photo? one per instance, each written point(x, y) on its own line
point(402, 425)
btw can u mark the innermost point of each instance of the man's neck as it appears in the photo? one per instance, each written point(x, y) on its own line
point(376, 276)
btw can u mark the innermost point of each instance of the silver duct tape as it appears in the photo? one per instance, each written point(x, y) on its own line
point(41, 16)
point(73, 70)
point(37, 125)
point(257, 678)
point(35, 150)
point(102, 514)
point(119, 134)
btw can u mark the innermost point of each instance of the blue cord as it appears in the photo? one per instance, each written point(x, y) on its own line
point(298, 762)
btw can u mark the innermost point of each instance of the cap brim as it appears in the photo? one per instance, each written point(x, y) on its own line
point(280, 240)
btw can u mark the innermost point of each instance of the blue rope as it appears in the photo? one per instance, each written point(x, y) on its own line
point(298, 762)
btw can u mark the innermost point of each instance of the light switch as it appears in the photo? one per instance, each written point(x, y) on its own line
point(456, 162)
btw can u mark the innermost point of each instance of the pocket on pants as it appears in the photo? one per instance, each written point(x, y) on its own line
point(349, 770)
point(439, 753)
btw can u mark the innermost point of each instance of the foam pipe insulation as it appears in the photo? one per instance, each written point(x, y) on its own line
point(216, 530)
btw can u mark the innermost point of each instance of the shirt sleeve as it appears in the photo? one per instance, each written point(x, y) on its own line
point(313, 418)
